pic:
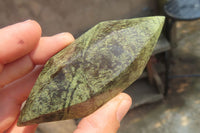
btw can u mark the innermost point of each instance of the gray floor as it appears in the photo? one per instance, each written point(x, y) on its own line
point(180, 111)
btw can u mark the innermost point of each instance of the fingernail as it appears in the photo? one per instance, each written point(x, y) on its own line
point(123, 109)
point(66, 36)
point(28, 20)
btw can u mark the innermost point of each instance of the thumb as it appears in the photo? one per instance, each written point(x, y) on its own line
point(107, 118)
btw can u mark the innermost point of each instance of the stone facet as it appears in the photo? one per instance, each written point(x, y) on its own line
point(93, 69)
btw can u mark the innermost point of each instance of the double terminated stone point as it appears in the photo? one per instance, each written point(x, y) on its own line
point(93, 69)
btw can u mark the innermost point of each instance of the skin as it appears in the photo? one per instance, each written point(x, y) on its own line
point(23, 52)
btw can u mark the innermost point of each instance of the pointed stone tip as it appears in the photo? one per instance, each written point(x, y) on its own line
point(25, 123)
point(161, 19)
point(158, 22)
point(19, 124)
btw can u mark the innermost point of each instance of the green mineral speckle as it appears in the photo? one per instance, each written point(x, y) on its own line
point(94, 68)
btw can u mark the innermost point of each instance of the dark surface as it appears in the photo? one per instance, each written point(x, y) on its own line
point(142, 92)
point(183, 9)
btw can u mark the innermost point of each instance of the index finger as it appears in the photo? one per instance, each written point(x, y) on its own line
point(17, 40)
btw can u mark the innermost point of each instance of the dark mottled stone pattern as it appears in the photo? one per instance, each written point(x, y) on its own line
point(96, 67)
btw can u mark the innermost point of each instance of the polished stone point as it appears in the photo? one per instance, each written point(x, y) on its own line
point(93, 69)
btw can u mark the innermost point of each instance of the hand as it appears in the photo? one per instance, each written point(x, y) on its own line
point(22, 49)
point(22, 53)
point(107, 118)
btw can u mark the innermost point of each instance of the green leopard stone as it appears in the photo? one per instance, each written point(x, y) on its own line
point(93, 69)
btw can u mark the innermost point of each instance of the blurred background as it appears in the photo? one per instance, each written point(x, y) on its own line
point(178, 111)
point(68, 15)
